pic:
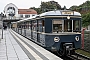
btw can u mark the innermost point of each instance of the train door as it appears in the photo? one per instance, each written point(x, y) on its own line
point(38, 30)
point(29, 27)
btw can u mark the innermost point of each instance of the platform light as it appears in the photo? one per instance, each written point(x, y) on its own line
point(2, 16)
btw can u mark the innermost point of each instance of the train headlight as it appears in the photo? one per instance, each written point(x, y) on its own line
point(77, 38)
point(68, 17)
point(56, 39)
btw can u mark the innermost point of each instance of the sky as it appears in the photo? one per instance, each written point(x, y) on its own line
point(25, 4)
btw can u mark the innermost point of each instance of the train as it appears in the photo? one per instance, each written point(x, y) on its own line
point(57, 31)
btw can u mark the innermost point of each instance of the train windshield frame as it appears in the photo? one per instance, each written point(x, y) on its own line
point(66, 25)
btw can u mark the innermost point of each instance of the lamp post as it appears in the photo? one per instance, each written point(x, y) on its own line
point(2, 15)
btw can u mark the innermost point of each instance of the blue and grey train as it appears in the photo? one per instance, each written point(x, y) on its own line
point(57, 31)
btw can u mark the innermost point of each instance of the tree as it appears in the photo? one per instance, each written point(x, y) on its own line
point(86, 19)
point(49, 6)
point(74, 7)
point(36, 9)
point(64, 8)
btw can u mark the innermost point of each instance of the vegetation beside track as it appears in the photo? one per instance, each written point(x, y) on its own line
point(83, 52)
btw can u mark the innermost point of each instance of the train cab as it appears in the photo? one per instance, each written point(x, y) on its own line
point(62, 28)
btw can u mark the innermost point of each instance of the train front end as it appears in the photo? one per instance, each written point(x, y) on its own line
point(63, 43)
point(63, 31)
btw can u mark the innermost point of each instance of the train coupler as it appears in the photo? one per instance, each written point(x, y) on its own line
point(68, 48)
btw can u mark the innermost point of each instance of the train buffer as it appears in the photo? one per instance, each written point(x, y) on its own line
point(15, 47)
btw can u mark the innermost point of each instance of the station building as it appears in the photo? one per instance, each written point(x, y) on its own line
point(13, 12)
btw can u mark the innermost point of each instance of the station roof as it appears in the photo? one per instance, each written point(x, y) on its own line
point(26, 11)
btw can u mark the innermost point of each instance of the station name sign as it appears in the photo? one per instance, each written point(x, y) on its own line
point(67, 13)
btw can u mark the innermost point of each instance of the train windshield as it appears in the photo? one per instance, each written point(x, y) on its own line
point(57, 25)
point(66, 26)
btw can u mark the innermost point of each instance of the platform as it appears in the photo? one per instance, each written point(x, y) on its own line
point(15, 47)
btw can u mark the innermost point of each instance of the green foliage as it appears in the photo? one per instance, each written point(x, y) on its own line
point(84, 9)
point(47, 6)
point(73, 7)
point(87, 41)
point(83, 53)
point(86, 19)
point(36, 9)
point(84, 6)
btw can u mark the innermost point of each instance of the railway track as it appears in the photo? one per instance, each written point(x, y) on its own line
point(78, 56)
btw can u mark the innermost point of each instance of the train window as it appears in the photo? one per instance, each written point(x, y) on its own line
point(43, 28)
point(23, 25)
point(67, 25)
point(40, 26)
point(34, 25)
point(71, 25)
point(76, 25)
point(57, 25)
point(29, 25)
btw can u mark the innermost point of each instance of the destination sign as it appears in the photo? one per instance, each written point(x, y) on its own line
point(67, 13)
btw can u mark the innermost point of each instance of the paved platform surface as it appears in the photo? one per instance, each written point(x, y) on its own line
point(15, 49)
point(9, 48)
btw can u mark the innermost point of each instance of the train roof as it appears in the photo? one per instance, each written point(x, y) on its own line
point(53, 13)
point(60, 12)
